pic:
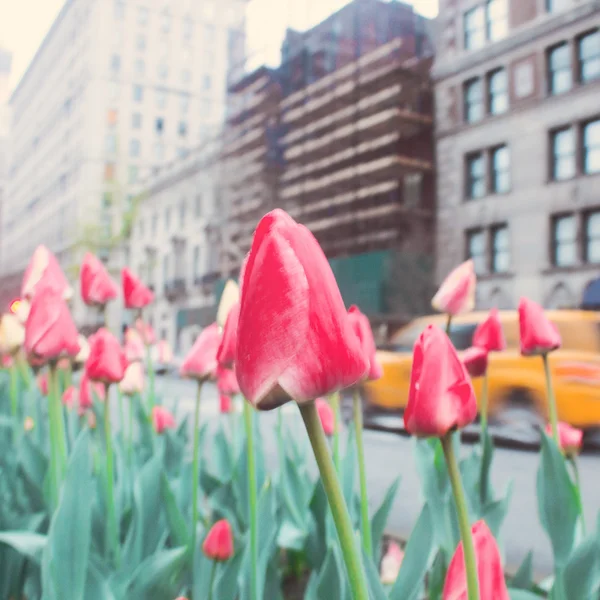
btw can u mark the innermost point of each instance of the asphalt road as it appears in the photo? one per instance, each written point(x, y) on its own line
point(389, 455)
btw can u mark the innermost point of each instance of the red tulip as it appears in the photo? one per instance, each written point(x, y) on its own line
point(87, 390)
point(69, 396)
point(50, 332)
point(570, 438)
point(440, 396)
point(135, 293)
point(225, 405)
point(326, 416)
point(227, 382)
point(362, 327)
point(489, 333)
point(43, 271)
point(42, 381)
point(201, 361)
point(218, 543)
point(475, 360)
point(96, 285)
point(492, 585)
point(162, 419)
point(456, 295)
point(107, 361)
point(294, 337)
point(226, 353)
point(538, 334)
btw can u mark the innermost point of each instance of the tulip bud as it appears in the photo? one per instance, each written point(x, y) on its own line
point(489, 334)
point(218, 544)
point(363, 330)
point(29, 424)
point(107, 361)
point(538, 334)
point(391, 563)
point(133, 382)
point(162, 419)
point(43, 271)
point(135, 293)
point(475, 360)
point(326, 416)
point(570, 438)
point(42, 381)
point(456, 295)
point(201, 361)
point(225, 403)
point(226, 352)
point(227, 381)
point(69, 397)
point(96, 286)
point(12, 334)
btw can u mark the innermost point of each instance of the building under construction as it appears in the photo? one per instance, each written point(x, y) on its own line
point(341, 137)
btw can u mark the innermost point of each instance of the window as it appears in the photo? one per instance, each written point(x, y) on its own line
point(140, 42)
point(473, 100)
point(500, 249)
point(206, 82)
point(497, 92)
point(564, 240)
point(563, 154)
point(500, 170)
point(142, 17)
point(186, 76)
point(133, 174)
point(476, 249)
point(588, 56)
point(475, 176)
point(196, 261)
point(163, 70)
point(474, 28)
point(496, 19)
point(198, 206)
point(559, 69)
point(159, 124)
point(182, 209)
point(591, 147)
point(134, 147)
point(182, 129)
point(138, 93)
point(555, 5)
point(161, 98)
point(168, 218)
point(159, 151)
point(111, 143)
point(115, 64)
point(136, 121)
point(592, 237)
point(140, 67)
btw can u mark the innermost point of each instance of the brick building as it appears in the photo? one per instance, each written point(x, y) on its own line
point(518, 147)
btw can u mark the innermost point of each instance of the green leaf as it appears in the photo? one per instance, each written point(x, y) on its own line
point(416, 559)
point(96, 586)
point(522, 595)
point(495, 512)
point(437, 575)
point(223, 458)
point(27, 543)
point(332, 578)
point(376, 589)
point(201, 574)
point(379, 520)
point(557, 501)
point(226, 582)
point(177, 523)
point(582, 573)
point(523, 578)
point(69, 538)
point(485, 485)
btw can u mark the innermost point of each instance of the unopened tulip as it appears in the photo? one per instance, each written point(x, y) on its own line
point(12, 334)
point(29, 424)
point(391, 563)
point(294, 337)
point(363, 330)
point(135, 293)
point(96, 285)
point(88, 391)
point(133, 382)
point(456, 295)
point(489, 334)
point(162, 419)
point(229, 298)
point(475, 360)
point(43, 271)
point(50, 331)
point(225, 404)
point(570, 438)
point(201, 361)
point(42, 381)
point(440, 396)
point(107, 361)
point(134, 345)
point(538, 334)
point(69, 396)
point(227, 382)
point(218, 543)
point(326, 415)
point(492, 585)
point(146, 332)
point(226, 353)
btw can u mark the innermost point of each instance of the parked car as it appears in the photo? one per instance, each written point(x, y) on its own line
point(517, 388)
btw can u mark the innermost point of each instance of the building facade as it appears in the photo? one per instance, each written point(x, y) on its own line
point(117, 89)
point(517, 84)
point(5, 63)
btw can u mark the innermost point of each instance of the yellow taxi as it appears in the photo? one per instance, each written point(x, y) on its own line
point(517, 388)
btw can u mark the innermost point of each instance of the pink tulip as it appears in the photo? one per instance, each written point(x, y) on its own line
point(201, 361)
point(456, 295)
point(294, 337)
point(362, 327)
point(69, 396)
point(135, 293)
point(538, 334)
point(489, 334)
point(133, 382)
point(226, 353)
point(326, 416)
point(42, 381)
point(96, 285)
point(107, 361)
point(225, 404)
point(88, 390)
point(475, 360)
point(218, 544)
point(227, 382)
point(391, 563)
point(162, 419)
point(570, 438)
point(134, 345)
point(43, 271)
point(146, 332)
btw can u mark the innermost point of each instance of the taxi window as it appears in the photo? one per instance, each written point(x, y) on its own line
point(460, 335)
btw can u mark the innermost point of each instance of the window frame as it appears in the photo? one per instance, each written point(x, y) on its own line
point(494, 173)
point(468, 86)
point(469, 235)
point(587, 238)
point(581, 61)
point(494, 231)
point(585, 150)
point(469, 180)
point(489, 22)
point(491, 96)
point(550, 72)
point(555, 219)
point(554, 134)
point(468, 33)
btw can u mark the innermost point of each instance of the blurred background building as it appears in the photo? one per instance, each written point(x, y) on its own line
point(5, 62)
point(517, 84)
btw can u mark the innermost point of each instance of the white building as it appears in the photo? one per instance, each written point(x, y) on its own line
point(116, 89)
point(171, 246)
point(5, 61)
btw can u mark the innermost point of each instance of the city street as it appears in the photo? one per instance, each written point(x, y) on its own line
point(389, 455)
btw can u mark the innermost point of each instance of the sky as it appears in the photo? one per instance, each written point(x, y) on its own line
point(24, 23)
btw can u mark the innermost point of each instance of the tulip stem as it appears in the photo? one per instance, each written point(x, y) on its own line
point(150, 380)
point(448, 323)
point(111, 523)
point(341, 517)
point(213, 572)
point(463, 517)
point(14, 392)
point(362, 474)
point(571, 458)
point(551, 399)
point(484, 402)
point(252, 495)
point(57, 449)
point(334, 400)
point(195, 468)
